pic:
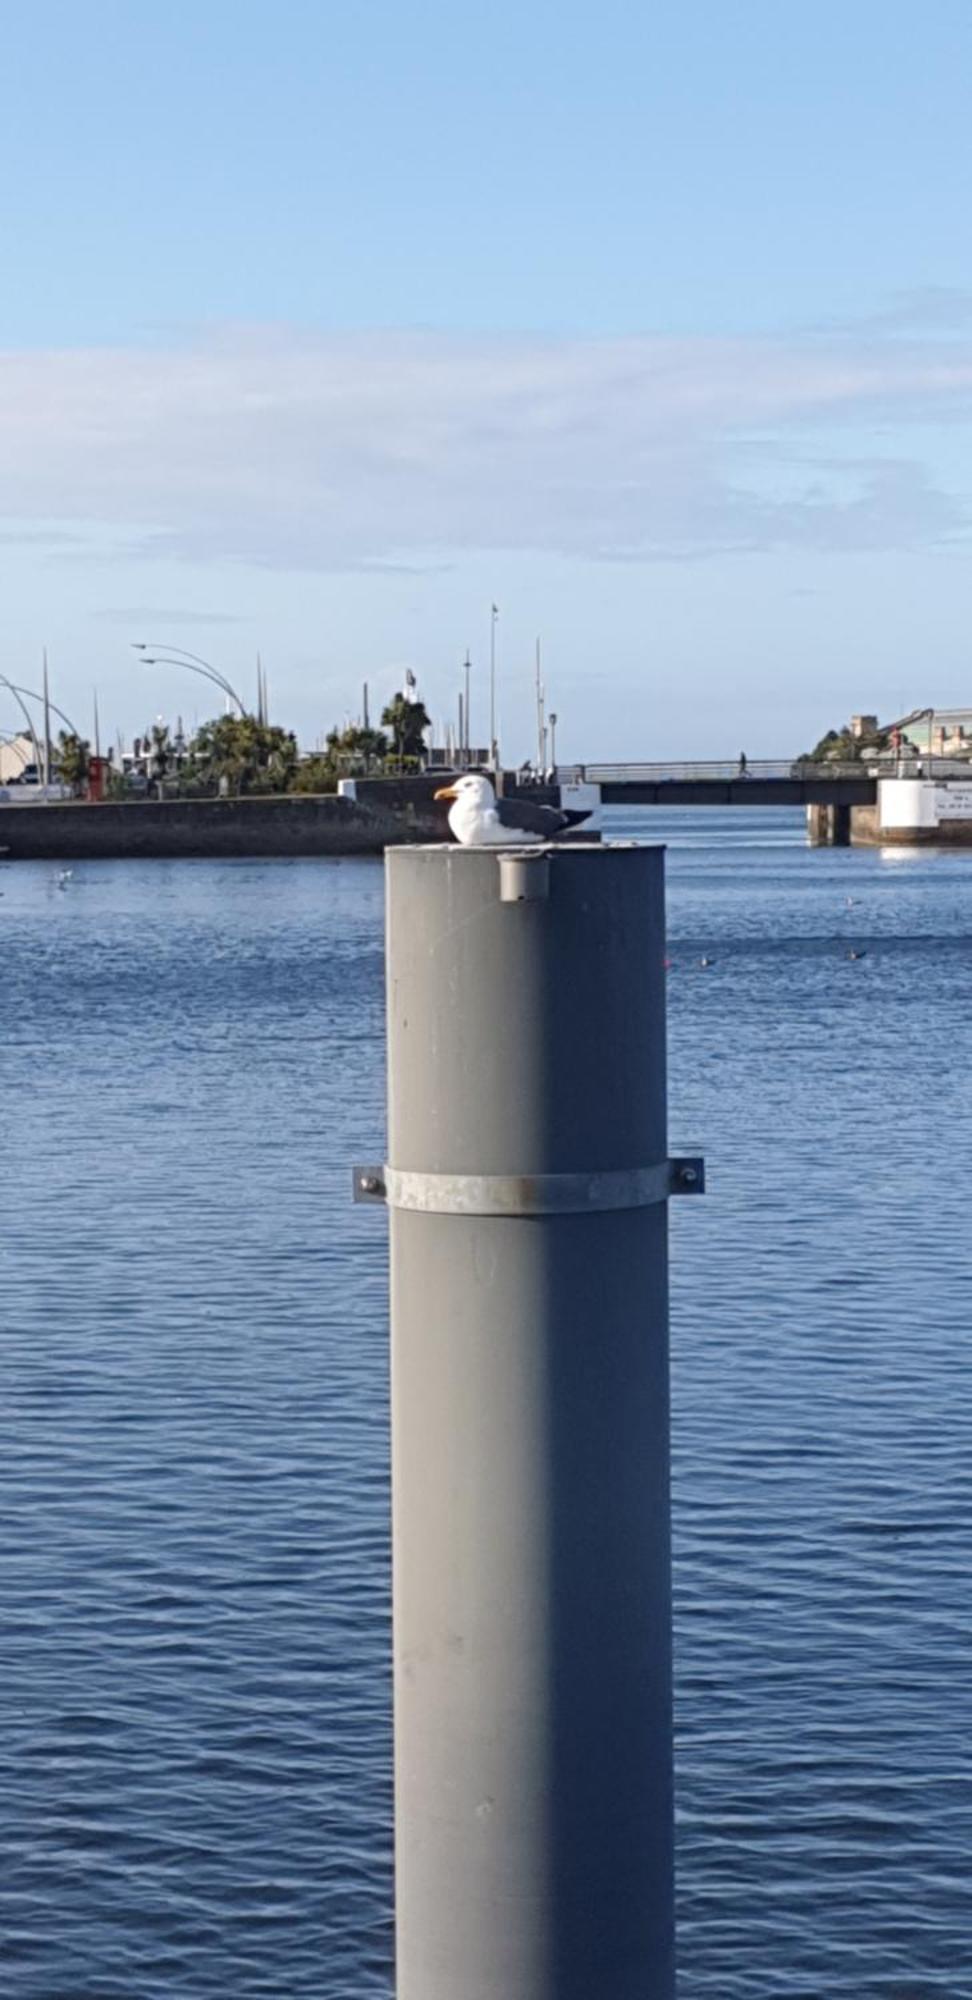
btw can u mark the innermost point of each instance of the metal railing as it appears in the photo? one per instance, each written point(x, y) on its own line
point(766, 768)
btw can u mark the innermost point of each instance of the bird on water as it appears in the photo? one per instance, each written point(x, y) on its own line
point(478, 818)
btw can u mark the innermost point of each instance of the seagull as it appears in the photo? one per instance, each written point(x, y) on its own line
point(479, 819)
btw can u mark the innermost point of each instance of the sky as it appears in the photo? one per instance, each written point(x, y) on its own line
point(327, 326)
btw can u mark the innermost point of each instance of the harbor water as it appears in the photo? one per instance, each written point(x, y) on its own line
point(195, 1750)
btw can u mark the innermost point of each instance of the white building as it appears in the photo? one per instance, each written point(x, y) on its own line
point(17, 756)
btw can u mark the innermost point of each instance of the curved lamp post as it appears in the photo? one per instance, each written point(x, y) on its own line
point(22, 695)
point(177, 656)
point(32, 695)
point(18, 694)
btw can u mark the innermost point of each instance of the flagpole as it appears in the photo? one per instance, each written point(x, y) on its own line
point(47, 732)
point(493, 746)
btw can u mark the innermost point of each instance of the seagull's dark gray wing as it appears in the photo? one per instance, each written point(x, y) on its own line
point(527, 818)
point(547, 821)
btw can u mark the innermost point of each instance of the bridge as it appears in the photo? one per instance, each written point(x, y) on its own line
point(828, 792)
point(782, 781)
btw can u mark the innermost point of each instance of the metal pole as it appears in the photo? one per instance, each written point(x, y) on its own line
point(538, 692)
point(177, 656)
point(47, 733)
point(18, 695)
point(468, 738)
point(527, 1192)
point(493, 746)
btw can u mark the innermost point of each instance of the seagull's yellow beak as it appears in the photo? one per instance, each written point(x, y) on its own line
point(447, 792)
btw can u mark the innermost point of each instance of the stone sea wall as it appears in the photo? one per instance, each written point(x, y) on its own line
point(210, 829)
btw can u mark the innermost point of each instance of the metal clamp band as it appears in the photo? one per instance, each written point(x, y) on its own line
point(529, 1194)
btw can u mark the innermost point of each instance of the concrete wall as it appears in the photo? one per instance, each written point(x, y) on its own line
point(907, 805)
point(916, 812)
point(865, 826)
point(202, 828)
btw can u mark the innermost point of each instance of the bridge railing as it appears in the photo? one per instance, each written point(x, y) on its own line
point(732, 770)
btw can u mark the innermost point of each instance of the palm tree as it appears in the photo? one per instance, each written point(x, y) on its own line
point(162, 753)
point(408, 722)
point(239, 754)
point(72, 760)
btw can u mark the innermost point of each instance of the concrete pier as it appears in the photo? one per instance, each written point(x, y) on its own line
point(830, 825)
point(908, 812)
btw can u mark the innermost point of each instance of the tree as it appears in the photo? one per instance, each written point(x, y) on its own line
point(347, 753)
point(71, 760)
point(316, 774)
point(250, 756)
point(357, 748)
point(841, 746)
point(161, 751)
point(408, 722)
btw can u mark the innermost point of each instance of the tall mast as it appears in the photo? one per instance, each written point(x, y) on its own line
point(493, 745)
point(47, 727)
point(541, 727)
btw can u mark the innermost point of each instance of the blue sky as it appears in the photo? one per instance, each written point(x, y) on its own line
point(324, 327)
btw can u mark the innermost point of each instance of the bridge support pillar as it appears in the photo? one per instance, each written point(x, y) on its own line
point(829, 826)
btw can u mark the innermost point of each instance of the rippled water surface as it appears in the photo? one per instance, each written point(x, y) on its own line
point(194, 1689)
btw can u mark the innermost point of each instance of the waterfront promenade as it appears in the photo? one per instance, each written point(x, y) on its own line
point(842, 804)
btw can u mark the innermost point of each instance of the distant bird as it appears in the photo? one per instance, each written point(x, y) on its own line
point(706, 962)
point(479, 819)
point(857, 954)
point(64, 876)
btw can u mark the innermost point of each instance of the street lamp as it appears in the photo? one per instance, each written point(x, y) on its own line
point(32, 695)
point(493, 745)
point(552, 719)
point(18, 694)
point(177, 656)
point(22, 695)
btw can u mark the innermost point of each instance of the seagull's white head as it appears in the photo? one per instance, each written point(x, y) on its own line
point(473, 792)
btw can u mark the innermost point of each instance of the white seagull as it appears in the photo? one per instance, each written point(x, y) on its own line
point(479, 819)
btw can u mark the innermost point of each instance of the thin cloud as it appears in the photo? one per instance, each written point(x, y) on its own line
point(937, 309)
point(389, 452)
point(144, 615)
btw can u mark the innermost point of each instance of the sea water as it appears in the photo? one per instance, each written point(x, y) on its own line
point(195, 1741)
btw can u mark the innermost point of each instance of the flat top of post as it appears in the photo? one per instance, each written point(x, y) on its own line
point(523, 849)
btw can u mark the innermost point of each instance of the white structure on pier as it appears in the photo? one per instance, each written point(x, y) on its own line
point(926, 808)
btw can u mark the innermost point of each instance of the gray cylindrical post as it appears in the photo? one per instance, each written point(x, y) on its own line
point(530, 1425)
